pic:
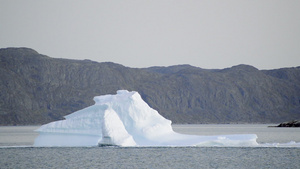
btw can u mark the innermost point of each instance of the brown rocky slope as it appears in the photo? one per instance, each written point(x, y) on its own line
point(36, 89)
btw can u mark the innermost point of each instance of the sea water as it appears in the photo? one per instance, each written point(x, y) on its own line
point(17, 152)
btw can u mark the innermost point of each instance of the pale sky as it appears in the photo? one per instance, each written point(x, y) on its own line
point(143, 33)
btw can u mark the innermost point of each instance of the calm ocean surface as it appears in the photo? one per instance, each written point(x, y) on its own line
point(17, 152)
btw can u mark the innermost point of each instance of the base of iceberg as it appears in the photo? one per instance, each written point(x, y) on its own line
point(125, 119)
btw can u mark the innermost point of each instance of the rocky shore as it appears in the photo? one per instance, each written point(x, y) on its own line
point(294, 123)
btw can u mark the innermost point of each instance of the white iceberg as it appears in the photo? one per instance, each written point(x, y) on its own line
point(125, 119)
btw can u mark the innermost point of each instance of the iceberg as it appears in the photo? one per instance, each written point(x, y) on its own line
point(125, 119)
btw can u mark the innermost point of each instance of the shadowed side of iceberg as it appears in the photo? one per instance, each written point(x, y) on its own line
point(80, 128)
point(65, 140)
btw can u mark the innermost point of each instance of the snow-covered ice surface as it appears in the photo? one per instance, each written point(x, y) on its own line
point(125, 119)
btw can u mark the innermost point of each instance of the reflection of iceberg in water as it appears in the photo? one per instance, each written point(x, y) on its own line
point(125, 119)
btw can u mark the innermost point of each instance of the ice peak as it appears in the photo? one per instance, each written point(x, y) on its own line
point(122, 91)
point(120, 96)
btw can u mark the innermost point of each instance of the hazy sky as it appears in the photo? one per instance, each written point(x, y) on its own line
point(143, 33)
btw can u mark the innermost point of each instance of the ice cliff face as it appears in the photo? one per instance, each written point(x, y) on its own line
point(124, 119)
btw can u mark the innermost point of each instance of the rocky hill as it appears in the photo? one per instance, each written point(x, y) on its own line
point(36, 89)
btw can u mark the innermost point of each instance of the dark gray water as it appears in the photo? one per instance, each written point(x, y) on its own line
point(163, 157)
point(26, 156)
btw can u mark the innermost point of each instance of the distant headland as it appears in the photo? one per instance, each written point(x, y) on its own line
point(294, 123)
